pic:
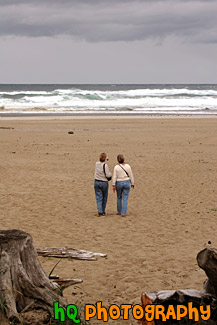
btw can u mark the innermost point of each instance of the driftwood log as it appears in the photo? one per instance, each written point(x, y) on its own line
point(67, 252)
point(207, 260)
point(24, 285)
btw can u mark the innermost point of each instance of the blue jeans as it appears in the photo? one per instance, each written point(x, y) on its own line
point(101, 193)
point(123, 191)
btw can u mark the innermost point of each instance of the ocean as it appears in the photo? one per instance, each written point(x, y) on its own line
point(108, 99)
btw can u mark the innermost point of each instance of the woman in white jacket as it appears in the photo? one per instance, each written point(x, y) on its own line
point(122, 181)
point(101, 178)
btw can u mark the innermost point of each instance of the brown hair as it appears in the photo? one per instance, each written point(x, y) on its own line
point(102, 156)
point(120, 158)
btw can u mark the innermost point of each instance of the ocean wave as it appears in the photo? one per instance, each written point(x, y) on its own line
point(145, 99)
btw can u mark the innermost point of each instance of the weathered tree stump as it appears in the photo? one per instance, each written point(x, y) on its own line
point(24, 285)
point(207, 260)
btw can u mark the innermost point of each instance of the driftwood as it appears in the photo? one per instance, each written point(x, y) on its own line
point(23, 283)
point(180, 296)
point(207, 260)
point(66, 252)
point(64, 283)
point(27, 294)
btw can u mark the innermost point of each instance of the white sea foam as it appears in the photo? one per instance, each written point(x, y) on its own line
point(72, 99)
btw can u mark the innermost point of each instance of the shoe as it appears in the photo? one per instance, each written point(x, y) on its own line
point(123, 215)
point(100, 214)
point(103, 214)
point(118, 214)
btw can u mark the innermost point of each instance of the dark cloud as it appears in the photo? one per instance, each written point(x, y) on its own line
point(111, 20)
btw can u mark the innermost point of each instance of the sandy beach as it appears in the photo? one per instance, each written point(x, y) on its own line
point(46, 189)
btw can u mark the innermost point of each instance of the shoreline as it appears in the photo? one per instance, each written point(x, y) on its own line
point(50, 116)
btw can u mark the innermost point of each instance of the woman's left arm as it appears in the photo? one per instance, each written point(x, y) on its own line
point(107, 171)
point(131, 177)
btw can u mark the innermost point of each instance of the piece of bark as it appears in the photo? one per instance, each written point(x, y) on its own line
point(207, 260)
point(23, 282)
point(66, 252)
point(179, 296)
point(65, 283)
point(145, 300)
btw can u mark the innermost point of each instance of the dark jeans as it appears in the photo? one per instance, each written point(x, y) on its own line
point(101, 193)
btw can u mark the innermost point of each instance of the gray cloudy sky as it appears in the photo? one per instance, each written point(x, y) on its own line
point(108, 41)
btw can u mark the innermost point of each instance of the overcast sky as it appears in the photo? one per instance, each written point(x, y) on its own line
point(108, 41)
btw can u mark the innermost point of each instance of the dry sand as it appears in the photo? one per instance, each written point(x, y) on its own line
point(46, 189)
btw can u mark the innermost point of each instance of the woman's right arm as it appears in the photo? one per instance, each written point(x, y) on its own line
point(114, 178)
